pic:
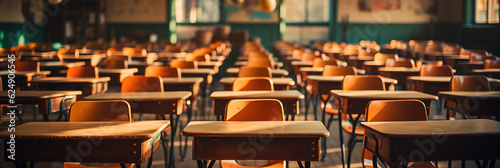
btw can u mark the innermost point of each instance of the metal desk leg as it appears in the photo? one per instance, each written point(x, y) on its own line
point(183, 148)
point(323, 120)
point(351, 142)
point(174, 122)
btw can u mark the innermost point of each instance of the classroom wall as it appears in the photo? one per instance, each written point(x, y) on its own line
point(13, 29)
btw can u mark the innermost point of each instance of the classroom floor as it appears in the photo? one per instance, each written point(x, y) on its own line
point(332, 160)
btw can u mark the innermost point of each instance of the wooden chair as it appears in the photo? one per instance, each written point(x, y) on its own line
point(478, 57)
point(393, 110)
point(182, 64)
point(408, 63)
point(431, 70)
point(163, 71)
point(253, 83)
point(331, 70)
point(381, 57)
point(419, 63)
point(464, 83)
point(142, 84)
point(308, 56)
point(82, 72)
point(108, 110)
point(319, 62)
point(254, 110)
point(27, 66)
point(246, 71)
point(491, 64)
point(261, 62)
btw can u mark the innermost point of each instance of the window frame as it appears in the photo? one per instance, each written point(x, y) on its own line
point(307, 22)
point(197, 15)
point(487, 14)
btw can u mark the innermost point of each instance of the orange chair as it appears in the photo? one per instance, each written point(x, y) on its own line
point(88, 111)
point(82, 72)
point(431, 70)
point(381, 57)
point(351, 82)
point(419, 64)
point(176, 63)
point(27, 66)
point(246, 71)
point(331, 70)
point(142, 84)
point(254, 110)
point(319, 62)
point(393, 110)
point(261, 62)
point(116, 64)
point(464, 83)
point(308, 56)
point(253, 83)
point(491, 64)
point(163, 71)
point(409, 63)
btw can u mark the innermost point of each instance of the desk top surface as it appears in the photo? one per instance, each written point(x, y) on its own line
point(378, 94)
point(141, 96)
point(279, 81)
point(84, 130)
point(472, 94)
point(472, 127)
point(209, 71)
point(273, 71)
point(188, 80)
point(26, 73)
point(302, 63)
point(61, 64)
point(298, 129)
point(398, 69)
point(128, 70)
point(496, 70)
point(440, 79)
point(243, 63)
point(70, 80)
point(41, 94)
point(284, 94)
point(340, 78)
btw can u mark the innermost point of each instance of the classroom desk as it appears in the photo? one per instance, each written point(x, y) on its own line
point(88, 86)
point(371, 67)
point(468, 67)
point(279, 83)
point(491, 72)
point(22, 78)
point(289, 99)
point(47, 101)
point(453, 60)
point(435, 84)
point(279, 73)
point(355, 101)
point(450, 140)
point(277, 65)
point(284, 140)
point(296, 65)
point(474, 103)
point(55, 67)
point(118, 142)
point(207, 75)
point(358, 62)
point(190, 84)
point(169, 103)
point(48, 55)
point(399, 73)
point(90, 60)
point(210, 65)
point(116, 75)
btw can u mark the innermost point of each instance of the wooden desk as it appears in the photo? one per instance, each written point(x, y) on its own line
point(47, 101)
point(277, 65)
point(88, 86)
point(448, 139)
point(118, 142)
point(207, 75)
point(277, 73)
point(289, 99)
point(169, 103)
point(435, 84)
point(299, 64)
point(90, 60)
point(468, 67)
point(22, 78)
point(491, 72)
point(279, 83)
point(284, 140)
point(190, 84)
point(358, 62)
point(399, 73)
point(210, 65)
point(55, 67)
point(116, 75)
point(48, 55)
point(475, 103)
point(371, 67)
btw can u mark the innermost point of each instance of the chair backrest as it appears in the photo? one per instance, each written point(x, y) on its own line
point(246, 71)
point(308, 56)
point(253, 83)
point(182, 64)
point(477, 57)
point(142, 84)
point(103, 110)
point(319, 62)
point(163, 71)
point(431, 70)
point(332, 70)
point(261, 62)
point(491, 64)
point(27, 66)
point(409, 63)
point(119, 57)
point(381, 57)
point(116, 64)
point(82, 72)
point(469, 83)
point(254, 110)
point(369, 82)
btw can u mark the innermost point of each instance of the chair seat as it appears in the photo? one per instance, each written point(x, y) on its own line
point(104, 165)
point(270, 164)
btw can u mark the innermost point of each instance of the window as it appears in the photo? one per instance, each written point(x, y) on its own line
point(307, 11)
point(193, 11)
point(487, 11)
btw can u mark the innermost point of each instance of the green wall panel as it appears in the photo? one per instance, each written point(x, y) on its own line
point(124, 29)
point(268, 32)
point(10, 33)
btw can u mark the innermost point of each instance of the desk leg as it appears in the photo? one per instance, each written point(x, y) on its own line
point(341, 138)
point(174, 121)
point(44, 107)
point(351, 142)
point(203, 89)
point(315, 106)
point(307, 164)
point(203, 163)
point(306, 100)
point(183, 148)
point(323, 120)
